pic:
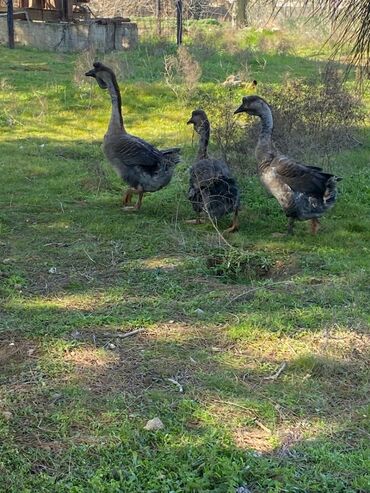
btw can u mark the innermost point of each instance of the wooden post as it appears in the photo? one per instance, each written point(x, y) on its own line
point(158, 14)
point(179, 22)
point(69, 9)
point(59, 9)
point(10, 21)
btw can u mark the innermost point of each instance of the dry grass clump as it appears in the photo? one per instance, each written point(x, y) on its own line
point(313, 118)
point(183, 70)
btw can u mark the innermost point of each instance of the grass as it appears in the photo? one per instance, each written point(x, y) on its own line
point(75, 271)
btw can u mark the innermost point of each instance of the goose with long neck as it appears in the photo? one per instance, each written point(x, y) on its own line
point(304, 192)
point(212, 188)
point(144, 167)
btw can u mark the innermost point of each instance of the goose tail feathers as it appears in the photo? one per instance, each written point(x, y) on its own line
point(331, 192)
point(172, 154)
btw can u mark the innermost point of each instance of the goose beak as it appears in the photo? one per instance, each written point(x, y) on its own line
point(241, 109)
point(91, 73)
point(190, 121)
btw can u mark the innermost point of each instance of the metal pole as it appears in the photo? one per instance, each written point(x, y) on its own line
point(179, 21)
point(10, 21)
point(158, 13)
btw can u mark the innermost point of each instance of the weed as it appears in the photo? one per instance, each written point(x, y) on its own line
point(182, 71)
point(239, 265)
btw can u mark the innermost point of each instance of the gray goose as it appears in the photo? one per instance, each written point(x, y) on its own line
point(144, 167)
point(304, 192)
point(212, 187)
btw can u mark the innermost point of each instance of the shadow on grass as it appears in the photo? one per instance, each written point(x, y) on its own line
point(78, 409)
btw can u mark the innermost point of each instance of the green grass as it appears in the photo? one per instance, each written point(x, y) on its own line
point(75, 270)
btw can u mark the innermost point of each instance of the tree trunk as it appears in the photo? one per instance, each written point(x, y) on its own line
point(10, 21)
point(239, 13)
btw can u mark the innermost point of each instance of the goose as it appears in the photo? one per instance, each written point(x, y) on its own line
point(303, 192)
point(141, 165)
point(212, 188)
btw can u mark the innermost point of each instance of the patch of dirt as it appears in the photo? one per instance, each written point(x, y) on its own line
point(253, 438)
point(289, 438)
point(85, 358)
point(144, 360)
point(284, 268)
point(15, 352)
point(160, 262)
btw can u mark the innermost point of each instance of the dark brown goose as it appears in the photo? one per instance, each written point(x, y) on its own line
point(144, 167)
point(212, 188)
point(304, 192)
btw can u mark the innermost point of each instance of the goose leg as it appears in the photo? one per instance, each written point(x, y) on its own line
point(128, 207)
point(315, 224)
point(126, 200)
point(139, 200)
point(234, 225)
point(290, 226)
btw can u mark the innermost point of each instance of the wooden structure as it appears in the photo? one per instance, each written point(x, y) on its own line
point(49, 10)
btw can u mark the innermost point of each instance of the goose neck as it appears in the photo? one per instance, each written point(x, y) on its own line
point(204, 133)
point(264, 145)
point(116, 120)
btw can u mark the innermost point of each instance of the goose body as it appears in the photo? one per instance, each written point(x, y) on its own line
point(304, 192)
point(212, 188)
point(141, 165)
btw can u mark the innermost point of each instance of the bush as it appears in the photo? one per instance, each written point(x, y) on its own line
point(182, 71)
point(312, 120)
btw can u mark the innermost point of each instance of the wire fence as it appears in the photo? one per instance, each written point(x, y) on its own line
point(160, 18)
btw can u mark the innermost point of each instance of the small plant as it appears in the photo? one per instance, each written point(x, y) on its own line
point(237, 264)
point(184, 69)
point(11, 283)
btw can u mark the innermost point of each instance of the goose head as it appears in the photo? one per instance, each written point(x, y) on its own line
point(200, 121)
point(103, 74)
point(253, 105)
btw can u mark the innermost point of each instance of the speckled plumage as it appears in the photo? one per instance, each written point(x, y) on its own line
point(212, 188)
point(304, 192)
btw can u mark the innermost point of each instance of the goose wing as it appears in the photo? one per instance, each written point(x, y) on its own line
point(207, 171)
point(133, 151)
point(300, 177)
